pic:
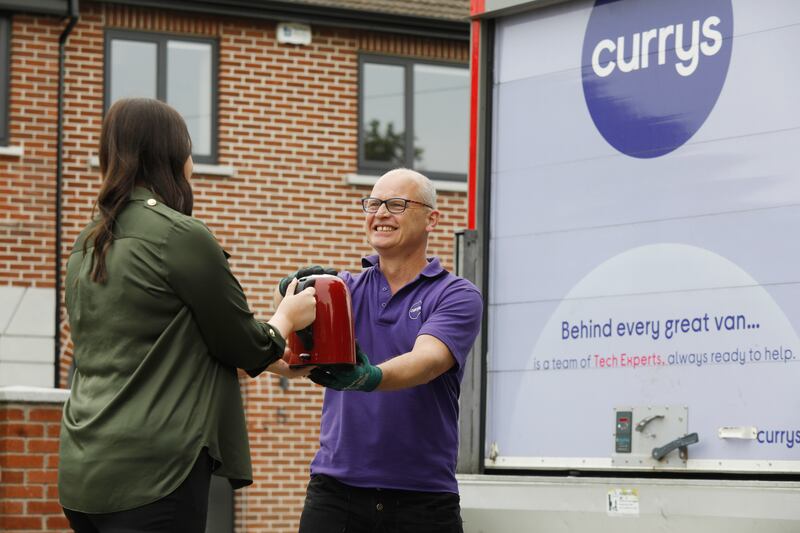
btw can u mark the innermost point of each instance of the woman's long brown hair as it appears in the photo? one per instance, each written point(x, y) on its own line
point(143, 142)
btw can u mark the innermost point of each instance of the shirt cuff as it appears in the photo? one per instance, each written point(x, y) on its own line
point(276, 349)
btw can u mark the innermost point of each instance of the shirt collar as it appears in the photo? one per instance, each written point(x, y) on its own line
point(143, 193)
point(431, 270)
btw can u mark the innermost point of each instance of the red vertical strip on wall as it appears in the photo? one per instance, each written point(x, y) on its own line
point(474, 63)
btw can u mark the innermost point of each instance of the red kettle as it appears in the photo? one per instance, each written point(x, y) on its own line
point(330, 339)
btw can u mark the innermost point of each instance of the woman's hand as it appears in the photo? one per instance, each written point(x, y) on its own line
point(295, 311)
point(281, 368)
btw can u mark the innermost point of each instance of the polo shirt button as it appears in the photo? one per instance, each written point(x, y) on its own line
point(379, 507)
point(384, 289)
point(383, 305)
point(151, 202)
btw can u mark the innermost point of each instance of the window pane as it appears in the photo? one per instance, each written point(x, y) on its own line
point(382, 119)
point(441, 118)
point(133, 69)
point(4, 81)
point(189, 84)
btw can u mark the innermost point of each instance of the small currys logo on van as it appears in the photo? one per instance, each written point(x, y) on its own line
point(652, 70)
point(780, 437)
point(415, 310)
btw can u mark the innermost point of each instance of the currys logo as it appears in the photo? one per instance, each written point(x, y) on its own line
point(653, 70)
point(789, 438)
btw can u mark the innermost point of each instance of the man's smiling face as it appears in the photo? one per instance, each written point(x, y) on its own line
point(399, 233)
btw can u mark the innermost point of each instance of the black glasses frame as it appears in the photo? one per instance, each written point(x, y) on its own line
point(392, 208)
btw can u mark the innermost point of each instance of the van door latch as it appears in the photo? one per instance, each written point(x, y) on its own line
point(680, 444)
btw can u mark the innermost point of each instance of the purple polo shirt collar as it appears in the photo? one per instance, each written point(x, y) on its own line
point(431, 270)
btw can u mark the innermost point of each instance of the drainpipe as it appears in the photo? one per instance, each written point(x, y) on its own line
point(74, 14)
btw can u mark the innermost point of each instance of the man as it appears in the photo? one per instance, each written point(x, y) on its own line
point(387, 458)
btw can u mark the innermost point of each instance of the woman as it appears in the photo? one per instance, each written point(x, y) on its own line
point(159, 325)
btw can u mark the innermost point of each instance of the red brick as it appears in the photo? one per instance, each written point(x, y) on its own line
point(11, 523)
point(11, 476)
point(16, 461)
point(12, 445)
point(22, 430)
point(52, 415)
point(21, 491)
point(41, 476)
point(43, 508)
point(42, 445)
point(10, 507)
point(11, 414)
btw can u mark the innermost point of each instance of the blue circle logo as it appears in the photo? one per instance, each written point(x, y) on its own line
point(653, 70)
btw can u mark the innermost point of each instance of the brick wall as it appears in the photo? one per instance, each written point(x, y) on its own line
point(27, 192)
point(29, 467)
point(287, 125)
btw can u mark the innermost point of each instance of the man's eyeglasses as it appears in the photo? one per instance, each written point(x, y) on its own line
point(393, 205)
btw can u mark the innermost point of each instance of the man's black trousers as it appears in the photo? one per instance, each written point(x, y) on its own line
point(333, 507)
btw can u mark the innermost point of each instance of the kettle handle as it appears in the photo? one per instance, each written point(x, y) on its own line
point(305, 335)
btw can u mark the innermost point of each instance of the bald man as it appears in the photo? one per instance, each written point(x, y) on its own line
point(389, 429)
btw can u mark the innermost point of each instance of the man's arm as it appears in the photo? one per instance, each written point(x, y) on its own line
point(429, 359)
point(454, 324)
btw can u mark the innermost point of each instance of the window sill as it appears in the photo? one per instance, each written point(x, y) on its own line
point(12, 151)
point(441, 185)
point(20, 393)
point(200, 169)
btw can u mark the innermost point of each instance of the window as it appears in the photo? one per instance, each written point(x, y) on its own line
point(414, 114)
point(5, 78)
point(178, 70)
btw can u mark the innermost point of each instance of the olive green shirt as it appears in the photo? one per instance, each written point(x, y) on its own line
point(156, 350)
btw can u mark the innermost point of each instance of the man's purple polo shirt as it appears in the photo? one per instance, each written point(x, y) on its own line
point(406, 439)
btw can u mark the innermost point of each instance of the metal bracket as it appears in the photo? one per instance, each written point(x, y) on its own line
point(680, 444)
point(494, 451)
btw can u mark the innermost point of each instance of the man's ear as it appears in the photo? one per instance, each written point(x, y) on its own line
point(433, 219)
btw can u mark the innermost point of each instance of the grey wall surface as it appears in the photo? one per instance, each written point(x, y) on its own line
point(26, 336)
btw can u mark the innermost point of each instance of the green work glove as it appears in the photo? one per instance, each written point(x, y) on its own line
point(303, 272)
point(360, 377)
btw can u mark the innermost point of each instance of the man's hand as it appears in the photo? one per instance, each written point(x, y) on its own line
point(303, 272)
point(361, 377)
